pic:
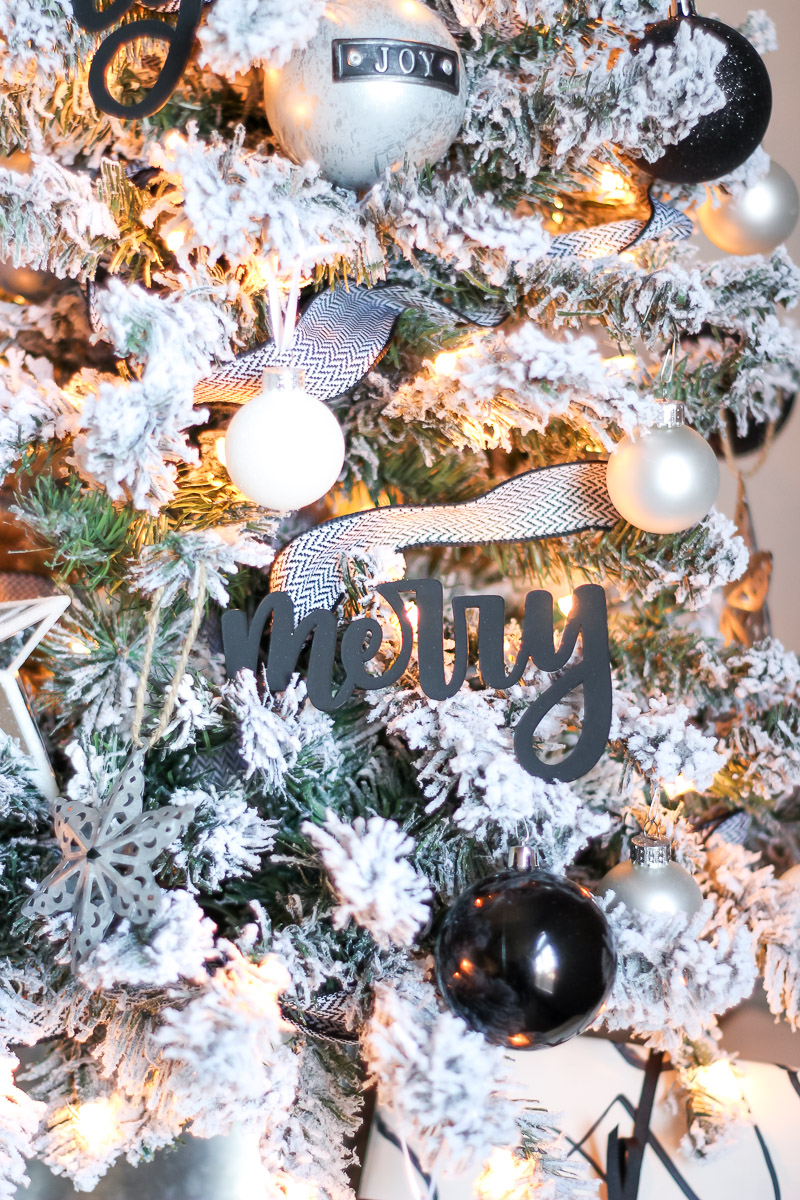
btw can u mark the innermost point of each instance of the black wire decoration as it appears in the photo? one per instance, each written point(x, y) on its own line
point(179, 39)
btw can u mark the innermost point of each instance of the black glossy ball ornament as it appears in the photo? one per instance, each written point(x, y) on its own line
point(526, 958)
point(721, 141)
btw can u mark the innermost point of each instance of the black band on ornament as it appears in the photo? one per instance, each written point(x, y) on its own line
point(367, 59)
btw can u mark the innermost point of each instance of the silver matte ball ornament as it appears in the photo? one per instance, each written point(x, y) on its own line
point(666, 478)
point(380, 82)
point(757, 221)
point(651, 883)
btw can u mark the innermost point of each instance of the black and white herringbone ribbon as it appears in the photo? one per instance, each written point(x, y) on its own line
point(548, 502)
point(326, 1018)
point(339, 337)
point(343, 332)
point(603, 241)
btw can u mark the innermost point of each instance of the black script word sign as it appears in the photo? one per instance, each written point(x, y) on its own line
point(179, 39)
point(414, 62)
point(362, 638)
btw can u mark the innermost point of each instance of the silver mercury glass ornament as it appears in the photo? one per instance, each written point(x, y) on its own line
point(665, 478)
point(380, 82)
point(650, 882)
point(756, 221)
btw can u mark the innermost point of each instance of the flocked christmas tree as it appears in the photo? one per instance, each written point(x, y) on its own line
point(488, 209)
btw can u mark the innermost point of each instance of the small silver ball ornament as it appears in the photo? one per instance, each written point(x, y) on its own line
point(381, 81)
point(757, 221)
point(650, 882)
point(666, 478)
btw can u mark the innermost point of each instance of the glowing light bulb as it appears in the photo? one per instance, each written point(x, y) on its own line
point(557, 218)
point(505, 1177)
point(412, 615)
point(173, 141)
point(719, 1081)
point(96, 1124)
point(679, 787)
point(614, 186)
point(175, 239)
point(621, 364)
point(78, 647)
point(565, 604)
point(445, 363)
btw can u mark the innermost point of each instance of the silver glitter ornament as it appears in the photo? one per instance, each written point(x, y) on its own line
point(757, 221)
point(722, 140)
point(381, 81)
point(651, 882)
point(665, 478)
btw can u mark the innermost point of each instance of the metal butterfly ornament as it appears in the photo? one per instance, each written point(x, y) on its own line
point(107, 851)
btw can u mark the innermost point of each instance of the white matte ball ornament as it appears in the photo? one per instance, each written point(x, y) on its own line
point(666, 478)
point(284, 449)
point(650, 882)
point(757, 221)
point(381, 81)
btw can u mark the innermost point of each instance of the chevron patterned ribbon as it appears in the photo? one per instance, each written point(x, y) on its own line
point(343, 332)
point(548, 502)
point(605, 240)
point(339, 337)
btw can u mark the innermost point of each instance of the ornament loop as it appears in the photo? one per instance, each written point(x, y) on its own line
point(652, 828)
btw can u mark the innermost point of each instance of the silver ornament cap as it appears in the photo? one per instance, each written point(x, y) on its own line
point(381, 81)
point(650, 851)
point(650, 882)
point(523, 858)
point(666, 477)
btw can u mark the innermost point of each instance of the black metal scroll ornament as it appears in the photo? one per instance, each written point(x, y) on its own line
point(307, 583)
point(179, 39)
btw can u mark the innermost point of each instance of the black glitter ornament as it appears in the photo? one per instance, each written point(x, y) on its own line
point(721, 141)
point(526, 958)
point(755, 434)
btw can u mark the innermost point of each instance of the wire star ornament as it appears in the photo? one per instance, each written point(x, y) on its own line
point(106, 869)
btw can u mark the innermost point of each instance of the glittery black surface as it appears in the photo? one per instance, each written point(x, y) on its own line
point(723, 140)
point(526, 958)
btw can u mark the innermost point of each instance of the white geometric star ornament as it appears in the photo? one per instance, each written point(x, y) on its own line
point(106, 871)
point(26, 602)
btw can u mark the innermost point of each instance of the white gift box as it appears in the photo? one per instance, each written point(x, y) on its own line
point(595, 1085)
